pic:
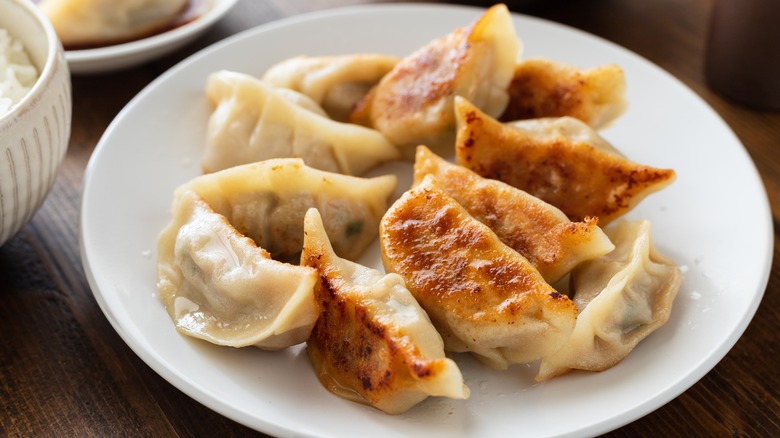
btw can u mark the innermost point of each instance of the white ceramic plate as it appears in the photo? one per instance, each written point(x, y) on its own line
point(156, 142)
point(119, 56)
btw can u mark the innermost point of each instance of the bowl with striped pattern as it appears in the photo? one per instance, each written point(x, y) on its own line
point(34, 134)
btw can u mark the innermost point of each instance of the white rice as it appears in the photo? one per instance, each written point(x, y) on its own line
point(17, 74)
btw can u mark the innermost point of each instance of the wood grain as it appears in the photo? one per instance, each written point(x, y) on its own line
point(64, 371)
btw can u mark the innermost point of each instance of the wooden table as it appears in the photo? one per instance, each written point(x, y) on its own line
point(64, 371)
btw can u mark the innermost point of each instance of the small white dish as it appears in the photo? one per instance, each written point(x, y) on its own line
point(133, 53)
point(34, 134)
point(157, 141)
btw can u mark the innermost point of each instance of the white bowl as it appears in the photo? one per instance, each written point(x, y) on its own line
point(133, 53)
point(34, 134)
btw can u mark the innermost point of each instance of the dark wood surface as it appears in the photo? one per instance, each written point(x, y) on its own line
point(65, 372)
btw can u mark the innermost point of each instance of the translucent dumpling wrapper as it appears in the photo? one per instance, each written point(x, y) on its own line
point(218, 285)
point(228, 260)
point(623, 297)
point(482, 296)
point(562, 161)
point(267, 201)
point(299, 99)
point(539, 231)
point(335, 82)
point(102, 22)
point(253, 121)
point(413, 103)
point(373, 343)
point(546, 88)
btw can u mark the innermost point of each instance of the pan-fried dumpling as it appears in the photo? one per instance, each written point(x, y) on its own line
point(413, 103)
point(481, 295)
point(253, 122)
point(102, 22)
point(560, 160)
point(539, 231)
point(622, 297)
point(217, 285)
point(545, 88)
point(336, 82)
point(372, 342)
point(267, 201)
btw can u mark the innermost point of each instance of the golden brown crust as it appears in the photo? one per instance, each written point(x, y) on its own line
point(401, 102)
point(413, 102)
point(474, 288)
point(543, 88)
point(361, 112)
point(578, 178)
point(358, 356)
point(451, 258)
point(424, 78)
point(530, 226)
point(352, 351)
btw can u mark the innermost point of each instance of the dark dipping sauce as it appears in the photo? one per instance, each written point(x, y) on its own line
point(191, 11)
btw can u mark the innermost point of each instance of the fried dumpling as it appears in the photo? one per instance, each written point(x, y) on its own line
point(545, 88)
point(539, 231)
point(560, 160)
point(372, 342)
point(413, 103)
point(267, 201)
point(253, 122)
point(218, 285)
point(481, 295)
point(336, 82)
point(102, 22)
point(622, 297)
